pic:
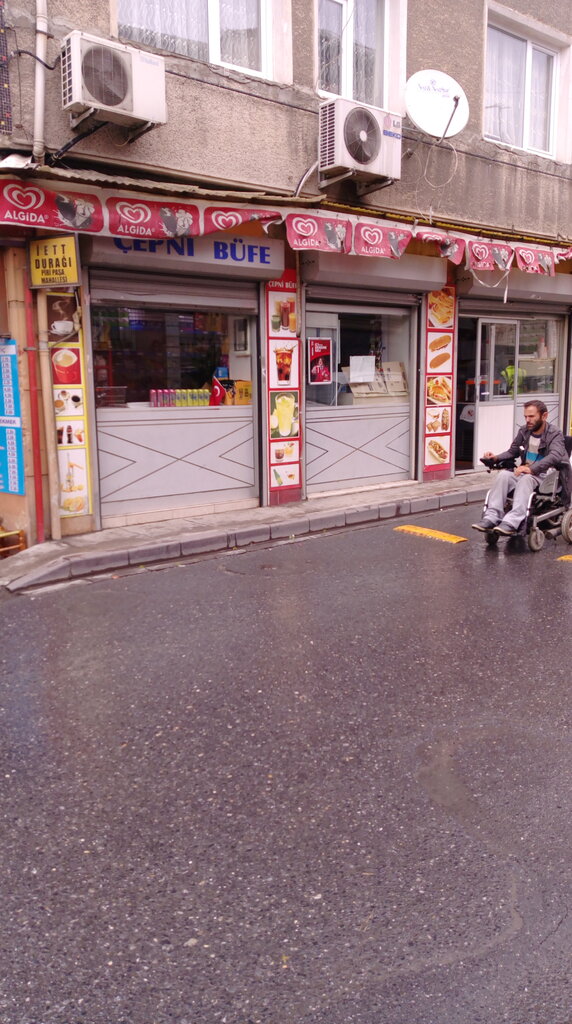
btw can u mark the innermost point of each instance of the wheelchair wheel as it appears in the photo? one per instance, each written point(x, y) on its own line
point(492, 539)
point(566, 526)
point(536, 539)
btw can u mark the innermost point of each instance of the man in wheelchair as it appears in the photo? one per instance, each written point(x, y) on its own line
point(540, 447)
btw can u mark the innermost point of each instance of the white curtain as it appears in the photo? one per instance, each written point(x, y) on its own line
point(368, 52)
point(184, 26)
point(504, 87)
point(541, 99)
point(180, 26)
point(240, 33)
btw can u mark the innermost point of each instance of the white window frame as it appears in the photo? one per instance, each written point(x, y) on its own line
point(394, 53)
point(275, 40)
point(558, 45)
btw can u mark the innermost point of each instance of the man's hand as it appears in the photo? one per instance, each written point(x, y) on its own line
point(520, 470)
point(489, 455)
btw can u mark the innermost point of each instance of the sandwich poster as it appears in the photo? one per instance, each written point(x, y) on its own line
point(439, 382)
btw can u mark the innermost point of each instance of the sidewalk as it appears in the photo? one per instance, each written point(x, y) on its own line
point(117, 548)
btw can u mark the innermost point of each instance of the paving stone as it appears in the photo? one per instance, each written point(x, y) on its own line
point(424, 504)
point(252, 535)
point(80, 565)
point(362, 515)
point(289, 528)
point(154, 553)
point(326, 520)
point(388, 511)
point(454, 498)
point(208, 540)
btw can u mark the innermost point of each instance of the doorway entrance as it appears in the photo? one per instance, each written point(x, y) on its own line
point(502, 364)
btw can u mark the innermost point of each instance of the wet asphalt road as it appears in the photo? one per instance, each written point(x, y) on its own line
point(326, 782)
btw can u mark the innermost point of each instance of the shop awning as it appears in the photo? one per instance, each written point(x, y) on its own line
point(50, 205)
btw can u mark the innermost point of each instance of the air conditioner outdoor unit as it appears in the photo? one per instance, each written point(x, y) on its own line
point(358, 138)
point(117, 82)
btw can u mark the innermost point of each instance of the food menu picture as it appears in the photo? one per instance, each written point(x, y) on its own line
point(284, 394)
point(69, 398)
point(439, 370)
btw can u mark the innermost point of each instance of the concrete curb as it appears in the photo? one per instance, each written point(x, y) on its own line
point(74, 566)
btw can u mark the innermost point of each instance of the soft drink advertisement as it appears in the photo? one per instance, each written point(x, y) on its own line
point(283, 399)
point(319, 360)
point(11, 445)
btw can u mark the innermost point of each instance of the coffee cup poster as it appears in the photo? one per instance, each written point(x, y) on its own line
point(69, 397)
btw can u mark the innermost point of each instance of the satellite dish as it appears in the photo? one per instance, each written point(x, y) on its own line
point(436, 103)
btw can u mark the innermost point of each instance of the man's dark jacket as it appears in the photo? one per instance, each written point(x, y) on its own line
point(552, 454)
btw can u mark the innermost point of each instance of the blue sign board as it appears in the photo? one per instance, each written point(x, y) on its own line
point(11, 445)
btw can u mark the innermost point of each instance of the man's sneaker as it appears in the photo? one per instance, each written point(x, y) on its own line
point(485, 526)
point(505, 531)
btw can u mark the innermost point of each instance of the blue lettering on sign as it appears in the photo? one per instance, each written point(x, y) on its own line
point(236, 251)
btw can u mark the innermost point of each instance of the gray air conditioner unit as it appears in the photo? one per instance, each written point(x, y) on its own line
point(361, 139)
point(115, 82)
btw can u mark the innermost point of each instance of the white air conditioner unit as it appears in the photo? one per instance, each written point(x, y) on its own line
point(117, 82)
point(358, 138)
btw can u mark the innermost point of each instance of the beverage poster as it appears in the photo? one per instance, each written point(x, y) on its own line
point(439, 382)
point(69, 397)
point(319, 360)
point(11, 443)
point(284, 388)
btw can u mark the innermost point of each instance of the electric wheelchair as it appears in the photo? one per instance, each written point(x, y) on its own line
point(549, 512)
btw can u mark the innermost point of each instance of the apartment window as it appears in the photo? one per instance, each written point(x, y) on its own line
point(230, 32)
point(351, 44)
point(519, 91)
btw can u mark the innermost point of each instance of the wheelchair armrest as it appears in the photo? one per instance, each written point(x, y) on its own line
point(498, 463)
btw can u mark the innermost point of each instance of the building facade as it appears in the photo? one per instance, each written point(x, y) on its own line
point(262, 250)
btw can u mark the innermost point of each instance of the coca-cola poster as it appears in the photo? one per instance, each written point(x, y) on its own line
point(319, 360)
point(372, 239)
point(149, 218)
point(535, 261)
point(36, 207)
point(326, 234)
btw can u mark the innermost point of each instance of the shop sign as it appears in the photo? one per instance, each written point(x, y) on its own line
point(535, 261)
point(489, 255)
point(35, 207)
point(371, 239)
point(11, 444)
point(54, 261)
point(451, 247)
point(284, 430)
point(326, 234)
point(238, 254)
point(438, 383)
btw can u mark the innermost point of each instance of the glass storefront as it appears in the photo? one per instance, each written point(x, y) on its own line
point(503, 362)
point(141, 352)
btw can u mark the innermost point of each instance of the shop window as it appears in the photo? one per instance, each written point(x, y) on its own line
point(518, 358)
point(520, 91)
point(235, 33)
point(369, 360)
point(137, 351)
